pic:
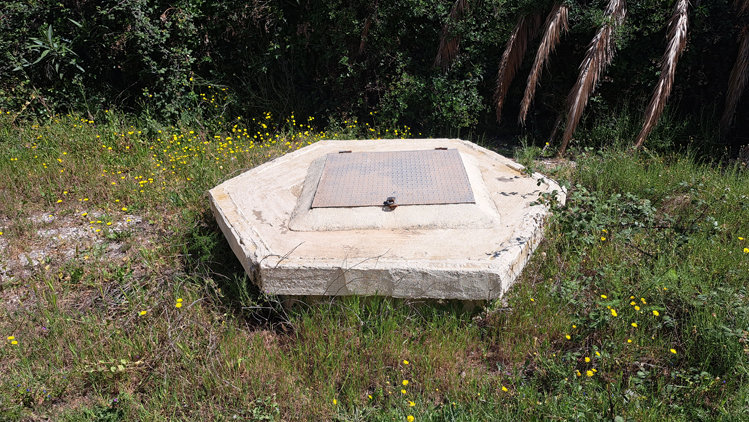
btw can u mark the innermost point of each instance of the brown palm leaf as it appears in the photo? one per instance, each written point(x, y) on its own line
point(449, 46)
point(741, 6)
point(599, 55)
point(677, 40)
point(556, 24)
point(524, 30)
point(737, 81)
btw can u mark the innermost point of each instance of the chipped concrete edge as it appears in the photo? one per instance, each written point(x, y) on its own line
point(395, 279)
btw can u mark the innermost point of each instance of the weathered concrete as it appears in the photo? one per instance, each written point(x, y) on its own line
point(454, 251)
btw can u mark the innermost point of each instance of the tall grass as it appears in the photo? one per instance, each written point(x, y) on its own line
point(633, 308)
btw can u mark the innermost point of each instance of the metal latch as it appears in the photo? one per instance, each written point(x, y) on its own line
point(390, 203)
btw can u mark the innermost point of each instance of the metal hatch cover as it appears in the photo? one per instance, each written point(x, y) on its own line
point(363, 179)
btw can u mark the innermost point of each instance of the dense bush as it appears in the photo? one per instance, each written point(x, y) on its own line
point(336, 58)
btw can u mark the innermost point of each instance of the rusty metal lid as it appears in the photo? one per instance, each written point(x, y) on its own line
point(362, 179)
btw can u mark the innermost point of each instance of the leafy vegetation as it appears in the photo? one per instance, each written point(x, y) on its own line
point(427, 64)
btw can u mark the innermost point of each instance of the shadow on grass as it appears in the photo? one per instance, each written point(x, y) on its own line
point(210, 261)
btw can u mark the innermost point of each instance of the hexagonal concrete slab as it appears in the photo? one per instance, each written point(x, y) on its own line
point(437, 247)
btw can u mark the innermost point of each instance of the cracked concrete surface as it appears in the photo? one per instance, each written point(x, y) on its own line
point(453, 251)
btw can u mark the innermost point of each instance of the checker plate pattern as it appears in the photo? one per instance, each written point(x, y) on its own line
point(362, 179)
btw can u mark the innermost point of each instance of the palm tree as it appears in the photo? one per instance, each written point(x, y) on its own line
point(677, 41)
point(525, 29)
point(599, 55)
point(450, 45)
point(740, 73)
point(556, 24)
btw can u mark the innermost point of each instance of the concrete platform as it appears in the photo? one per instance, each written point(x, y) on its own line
point(465, 251)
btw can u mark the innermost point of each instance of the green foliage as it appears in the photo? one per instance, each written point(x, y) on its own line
point(590, 214)
point(56, 51)
point(335, 59)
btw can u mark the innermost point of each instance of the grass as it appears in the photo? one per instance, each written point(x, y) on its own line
point(120, 299)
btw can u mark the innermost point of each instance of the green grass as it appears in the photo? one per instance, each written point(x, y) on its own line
point(93, 310)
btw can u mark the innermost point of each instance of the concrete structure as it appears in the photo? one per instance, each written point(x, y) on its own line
point(467, 251)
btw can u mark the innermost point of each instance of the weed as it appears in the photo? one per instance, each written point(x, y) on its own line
point(634, 307)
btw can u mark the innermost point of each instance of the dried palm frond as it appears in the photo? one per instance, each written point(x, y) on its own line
point(556, 24)
point(525, 29)
point(677, 40)
point(449, 46)
point(737, 81)
point(599, 55)
point(741, 6)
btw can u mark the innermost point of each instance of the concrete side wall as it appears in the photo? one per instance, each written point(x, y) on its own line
point(468, 263)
